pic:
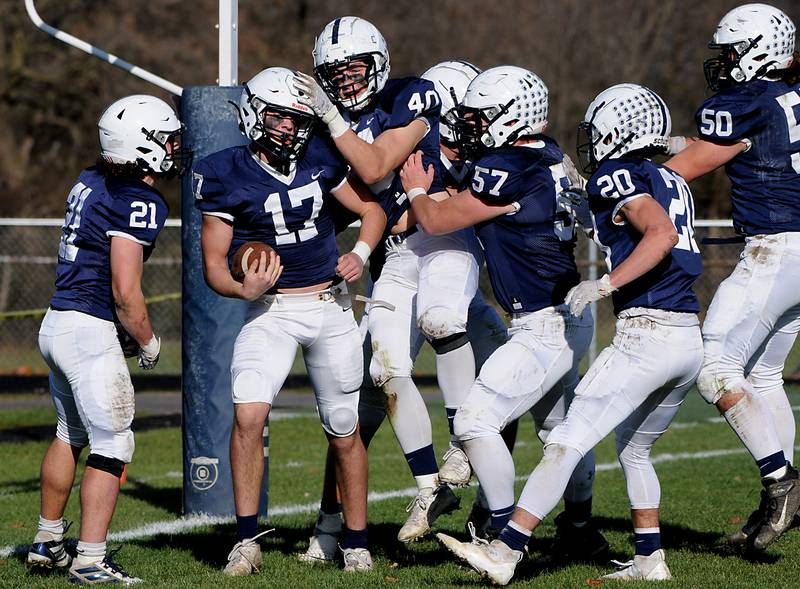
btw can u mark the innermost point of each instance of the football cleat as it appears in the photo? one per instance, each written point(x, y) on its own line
point(493, 560)
point(480, 517)
point(455, 469)
point(48, 553)
point(323, 546)
point(424, 509)
point(642, 568)
point(356, 560)
point(749, 529)
point(102, 571)
point(245, 557)
point(572, 543)
point(783, 504)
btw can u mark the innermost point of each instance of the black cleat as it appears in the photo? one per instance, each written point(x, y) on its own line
point(480, 517)
point(749, 529)
point(573, 544)
point(784, 502)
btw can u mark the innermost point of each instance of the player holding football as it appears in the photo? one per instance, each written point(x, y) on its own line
point(277, 190)
point(375, 123)
point(113, 217)
point(527, 231)
point(642, 216)
point(751, 126)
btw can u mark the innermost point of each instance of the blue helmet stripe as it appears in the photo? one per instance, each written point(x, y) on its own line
point(335, 34)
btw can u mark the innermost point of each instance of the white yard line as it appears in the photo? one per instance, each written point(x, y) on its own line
point(183, 524)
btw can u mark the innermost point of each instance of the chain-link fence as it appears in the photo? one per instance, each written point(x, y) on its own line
point(28, 250)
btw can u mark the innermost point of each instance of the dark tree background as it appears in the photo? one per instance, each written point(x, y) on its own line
point(52, 95)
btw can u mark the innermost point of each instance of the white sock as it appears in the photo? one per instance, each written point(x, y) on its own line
point(91, 551)
point(54, 528)
point(427, 481)
point(494, 467)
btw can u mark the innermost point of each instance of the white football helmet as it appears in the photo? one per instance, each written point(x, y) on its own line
point(450, 79)
point(623, 119)
point(752, 39)
point(342, 41)
point(268, 100)
point(143, 130)
point(501, 105)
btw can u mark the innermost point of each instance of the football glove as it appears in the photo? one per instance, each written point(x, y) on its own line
point(314, 97)
point(587, 292)
point(576, 202)
point(148, 353)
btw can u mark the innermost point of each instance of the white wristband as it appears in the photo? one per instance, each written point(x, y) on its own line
point(336, 123)
point(153, 347)
point(362, 250)
point(414, 193)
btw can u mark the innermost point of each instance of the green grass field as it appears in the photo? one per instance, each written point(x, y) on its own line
point(708, 485)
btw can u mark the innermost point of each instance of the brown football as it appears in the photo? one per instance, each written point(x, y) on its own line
point(246, 255)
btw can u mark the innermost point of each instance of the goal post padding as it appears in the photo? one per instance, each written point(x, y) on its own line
point(210, 324)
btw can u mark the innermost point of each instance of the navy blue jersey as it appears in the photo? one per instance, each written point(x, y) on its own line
point(98, 209)
point(668, 286)
point(290, 213)
point(765, 178)
point(401, 102)
point(529, 253)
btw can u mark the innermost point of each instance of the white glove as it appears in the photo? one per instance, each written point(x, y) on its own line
point(676, 145)
point(314, 97)
point(148, 353)
point(587, 292)
point(575, 179)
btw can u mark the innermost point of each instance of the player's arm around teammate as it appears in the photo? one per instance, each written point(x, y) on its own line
point(750, 126)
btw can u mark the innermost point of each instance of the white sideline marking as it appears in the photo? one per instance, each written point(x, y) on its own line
point(183, 524)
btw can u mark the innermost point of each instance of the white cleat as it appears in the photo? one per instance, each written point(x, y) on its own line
point(356, 560)
point(455, 469)
point(646, 568)
point(428, 505)
point(245, 557)
point(323, 546)
point(493, 560)
point(102, 571)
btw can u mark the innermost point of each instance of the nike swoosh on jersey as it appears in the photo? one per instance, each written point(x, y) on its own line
point(317, 175)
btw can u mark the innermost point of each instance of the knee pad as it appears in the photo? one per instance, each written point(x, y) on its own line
point(250, 385)
point(716, 380)
point(113, 466)
point(119, 445)
point(449, 343)
point(440, 323)
point(468, 425)
point(340, 420)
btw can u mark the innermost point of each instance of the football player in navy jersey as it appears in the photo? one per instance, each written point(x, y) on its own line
point(652, 267)
point(575, 540)
point(277, 190)
point(751, 126)
point(527, 232)
point(380, 122)
point(113, 217)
